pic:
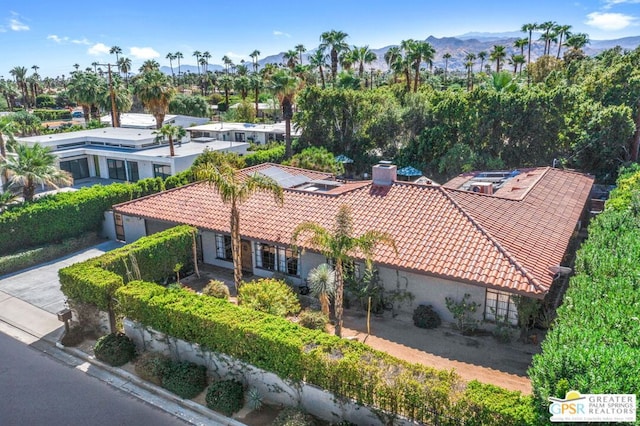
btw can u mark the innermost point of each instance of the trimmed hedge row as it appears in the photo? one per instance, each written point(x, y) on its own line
point(66, 214)
point(95, 281)
point(273, 155)
point(52, 114)
point(347, 368)
point(594, 345)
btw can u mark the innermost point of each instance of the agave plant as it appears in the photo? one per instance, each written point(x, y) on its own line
point(322, 283)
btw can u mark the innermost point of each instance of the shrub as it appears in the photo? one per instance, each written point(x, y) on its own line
point(152, 367)
point(268, 295)
point(185, 379)
point(74, 336)
point(254, 398)
point(463, 312)
point(273, 155)
point(314, 320)
point(425, 317)
point(115, 349)
point(291, 416)
point(217, 289)
point(225, 396)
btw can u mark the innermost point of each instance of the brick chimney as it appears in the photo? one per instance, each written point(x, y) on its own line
point(384, 173)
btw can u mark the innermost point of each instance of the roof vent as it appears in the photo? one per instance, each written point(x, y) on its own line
point(384, 173)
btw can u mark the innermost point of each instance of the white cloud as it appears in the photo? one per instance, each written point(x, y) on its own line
point(610, 21)
point(610, 3)
point(143, 53)
point(81, 41)
point(281, 34)
point(56, 38)
point(16, 25)
point(235, 56)
point(98, 49)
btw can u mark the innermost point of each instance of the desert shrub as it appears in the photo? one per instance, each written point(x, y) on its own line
point(425, 317)
point(292, 416)
point(268, 295)
point(185, 379)
point(152, 367)
point(254, 398)
point(217, 289)
point(463, 312)
point(225, 396)
point(115, 349)
point(314, 320)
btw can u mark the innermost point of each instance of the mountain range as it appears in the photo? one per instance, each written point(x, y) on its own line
point(458, 47)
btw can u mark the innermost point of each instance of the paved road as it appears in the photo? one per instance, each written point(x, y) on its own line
point(39, 286)
point(38, 390)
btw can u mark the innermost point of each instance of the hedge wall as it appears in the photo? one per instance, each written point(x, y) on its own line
point(273, 155)
point(347, 368)
point(95, 280)
point(594, 346)
point(66, 214)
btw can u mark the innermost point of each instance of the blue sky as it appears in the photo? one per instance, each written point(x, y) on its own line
point(54, 37)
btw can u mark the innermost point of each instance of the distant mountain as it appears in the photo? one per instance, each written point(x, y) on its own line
point(458, 47)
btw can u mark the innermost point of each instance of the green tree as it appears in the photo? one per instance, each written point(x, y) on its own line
point(498, 53)
point(340, 246)
point(31, 166)
point(363, 55)
point(20, 75)
point(316, 158)
point(335, 42)
point(155, 91)
point(235, 190)
point(170, 132)
point(446, 58)
point(284, 86)
point(529, 29)
point(192, 105)
point(84, 88)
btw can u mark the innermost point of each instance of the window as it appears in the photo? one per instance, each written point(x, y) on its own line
point(239, 137)
point(134, 176)
point(500, 304)
point(79, 168)
point(161, 170)
point(123, 170)
point(223, 247)
point(278, 259)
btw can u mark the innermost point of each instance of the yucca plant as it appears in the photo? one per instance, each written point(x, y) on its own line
point(322, 283)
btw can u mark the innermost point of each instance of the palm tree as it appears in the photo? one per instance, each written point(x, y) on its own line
point(335, 41)
point(516, 60)
point(318, 60)
point(154, 89)
point(498, 53)
point(7, 129)
point(20, 75)
point(529, 28)
point(300, 49)
point(520, 44)
point(419, 52)
point(340, 246)
point(291, 58)
point(226, 83)
point(170, 132)
point(170, 56)
point(363, 55)
point(563, 31)
point(482, 56)
point(322, 283)
point(206, 56)
point(149, 65)
point(227, 63)
point(284, 85)
point(178, 56)
point(577, 41)
point(121, 96)
point(235, 190)
point(83, 88)
point(347, 59)
point(547, 36)
point(469, 60)
point(197, 54)
point(392, 57)
point(446, 58)
point(31, 166)
point(124, 65)
point(254, 57)
point(115, 50)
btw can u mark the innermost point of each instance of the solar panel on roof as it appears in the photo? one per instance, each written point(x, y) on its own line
point(284, 178)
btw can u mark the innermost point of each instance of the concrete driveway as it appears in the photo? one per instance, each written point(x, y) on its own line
point(39, 285)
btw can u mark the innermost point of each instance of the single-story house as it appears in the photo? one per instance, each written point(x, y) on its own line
point(490, 235)
point(241, 132)
point(148, 121)
point(125, 154)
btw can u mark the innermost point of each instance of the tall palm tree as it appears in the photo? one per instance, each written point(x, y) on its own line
point(498, 53)
point(227, 63)
point(340, 246)
point(363, 55)
point(235, 190)
point(446, 58)
point(256, 83)
point(170, 56)
point(170, 132)
point(300, 49)
point(529, 29)
point(284, 86)
point(347, 58)
point(83, 88)
point(419, 52)
point(254, 58)
point(392, 57)
point(115, 50)
point(319, 60)
point(149, 65)
point(124, 65)
point(7, 129)
point(563, 31)
point(206, 56)
point(469, 61)
point(547, 35)
point(197, 54)
point(225, 82)
point(31, 166)
point(121, 96)
point(291, 58)
point(335, 42)
point(322, 283)
point(577, 41)
point(482, 55)
point(520, 44)
point(155, 91)
point(179, 56)
point(20, 75)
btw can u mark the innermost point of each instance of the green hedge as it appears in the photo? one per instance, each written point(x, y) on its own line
point(52, 114)
point(594, 345)
point(347, 368)
point(53, 218)
point(273, 155)
point(95, 280)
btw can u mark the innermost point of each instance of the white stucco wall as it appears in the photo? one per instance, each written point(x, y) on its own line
point(134, 228)
point(109, 226)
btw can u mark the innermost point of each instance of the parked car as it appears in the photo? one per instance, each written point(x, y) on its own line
point(77, 114)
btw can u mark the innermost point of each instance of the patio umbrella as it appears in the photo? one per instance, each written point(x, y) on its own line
point(409, 171)
point(343, 159)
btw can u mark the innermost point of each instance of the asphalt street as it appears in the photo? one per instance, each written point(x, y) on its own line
point(36, 389)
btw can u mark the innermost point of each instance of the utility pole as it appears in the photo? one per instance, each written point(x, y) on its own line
point(115, 121)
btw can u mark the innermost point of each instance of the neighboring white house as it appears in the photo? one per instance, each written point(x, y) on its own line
point(148, 121)
point(492, 237)
point(125, 154)
point(240, 132)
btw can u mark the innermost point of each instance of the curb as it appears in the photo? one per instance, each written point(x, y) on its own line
point(214, 417)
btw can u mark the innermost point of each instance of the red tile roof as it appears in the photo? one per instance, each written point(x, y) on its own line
point(458, 235)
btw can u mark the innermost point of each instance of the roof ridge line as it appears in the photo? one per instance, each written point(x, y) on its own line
point(156, 194)
point(495, 242)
